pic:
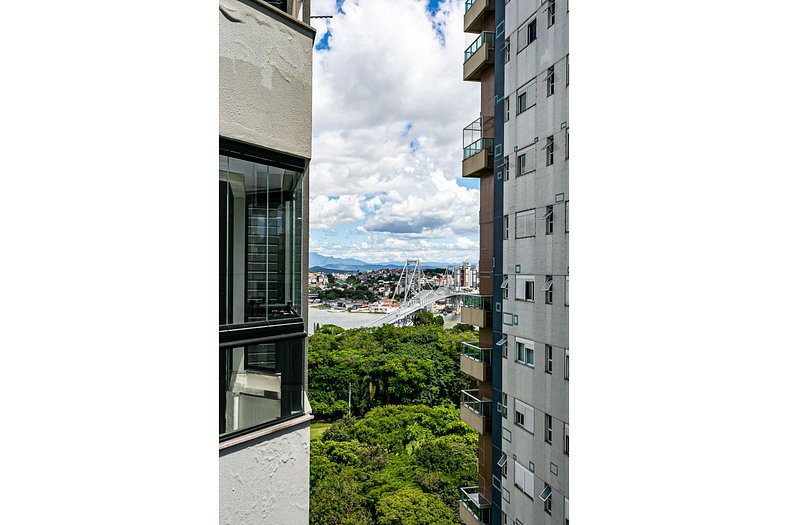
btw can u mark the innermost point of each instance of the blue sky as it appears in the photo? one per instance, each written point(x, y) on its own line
point(389, 105)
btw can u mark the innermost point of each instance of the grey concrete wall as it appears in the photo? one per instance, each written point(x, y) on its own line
point(266, 480)
point(265, 78)
point(539, 256)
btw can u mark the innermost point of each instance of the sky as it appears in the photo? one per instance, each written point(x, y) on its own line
point(389, 106)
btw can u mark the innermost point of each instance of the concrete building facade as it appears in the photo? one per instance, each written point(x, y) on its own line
point(265, 137)
point(529, 208)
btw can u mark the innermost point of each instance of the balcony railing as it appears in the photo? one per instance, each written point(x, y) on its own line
point(481, 302)
point(470, 400)
point(476, 504)
point(477, 146)
point(487, 37)
point(476, 352)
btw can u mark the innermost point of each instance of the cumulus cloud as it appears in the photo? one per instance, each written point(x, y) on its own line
point(389, 105)
point(327, 213)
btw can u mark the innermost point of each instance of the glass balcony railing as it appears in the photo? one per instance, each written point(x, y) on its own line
point(468, 4)
point(482, 302)
point(476, 504)
point(476, 352)
point(480, 406)
point(476, 147)
point(487, 37)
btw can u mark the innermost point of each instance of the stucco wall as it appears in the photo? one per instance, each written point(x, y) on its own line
point(265, 78)
point(266, 481)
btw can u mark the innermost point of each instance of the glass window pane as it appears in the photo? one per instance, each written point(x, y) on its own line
point(260, 383)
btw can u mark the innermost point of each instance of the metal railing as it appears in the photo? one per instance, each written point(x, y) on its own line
point(480, 406)
point(481, 144)
point(477, 504)
point(487, 37)
point(482, 302)
point(476, 352)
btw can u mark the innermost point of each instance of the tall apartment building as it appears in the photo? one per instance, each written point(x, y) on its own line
point(265, 137)
point(520, 150)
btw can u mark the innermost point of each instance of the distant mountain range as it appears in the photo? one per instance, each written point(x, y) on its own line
point(327, 264)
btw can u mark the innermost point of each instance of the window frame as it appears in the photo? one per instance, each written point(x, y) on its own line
point(531, 36)
point(548, 428)
point(548, 359)
point(549, 150)
point(547, 288)
point(550, 13)
point(550, 81)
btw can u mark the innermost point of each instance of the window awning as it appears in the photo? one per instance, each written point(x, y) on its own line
point(502, 461)
point(505, 283)
point(502, 341)
point(545, 493)
point(548, 285)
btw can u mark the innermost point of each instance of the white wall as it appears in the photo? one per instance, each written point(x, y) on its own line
point(265, 78)
point(267, 481)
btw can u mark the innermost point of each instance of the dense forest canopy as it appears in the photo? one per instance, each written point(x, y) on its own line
point(386, 366)
point(396, 465)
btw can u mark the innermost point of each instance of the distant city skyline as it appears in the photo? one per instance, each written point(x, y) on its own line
point(389, 107)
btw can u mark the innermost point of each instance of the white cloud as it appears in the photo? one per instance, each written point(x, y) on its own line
point(327, 213)
point(389, 105)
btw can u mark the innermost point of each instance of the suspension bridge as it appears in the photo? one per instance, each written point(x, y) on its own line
point(417, 293)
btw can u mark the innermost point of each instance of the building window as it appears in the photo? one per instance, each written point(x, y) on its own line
point(525, 351)
point(260, 212)
point(531, 32)
point(525, 224)
point(548, 289)
point(505, 227)
point(548, 428)
point(550, 79)
point(548, 359)
point(548, 218)
point(547, 497)
point(526, 162)
point(506, 109)
point(566, 438)
point(506, 166)
point(567, 70)
point(261, 333)
point(524, 287)
point(523, 479)
point(549, 151)
point(505, 406)
point(566, 364)
point(504, 464)
point(566, 144)
point(551, 13)
point(524, 415)
point(505, 287)
point(526, 97)
point(566, 216)
point(506, 53)
point(260, 383)
point(566, 291)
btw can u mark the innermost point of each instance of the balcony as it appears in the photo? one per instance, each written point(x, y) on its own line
point(476, 310)
point(475, 411)
point(475, 11)
point(475, 361)
point(477, 151)
point(479, 55)
point(474, 508)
